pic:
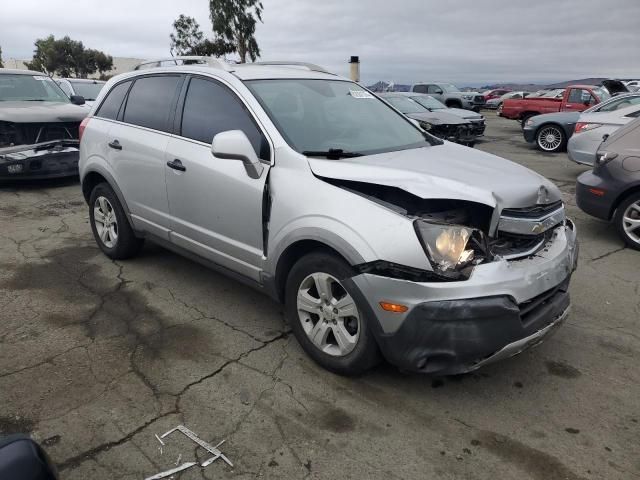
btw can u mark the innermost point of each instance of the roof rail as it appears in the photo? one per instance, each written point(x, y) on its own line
point(185, 60)
point(310, 66)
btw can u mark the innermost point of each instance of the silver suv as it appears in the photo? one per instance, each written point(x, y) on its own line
point(378, 237)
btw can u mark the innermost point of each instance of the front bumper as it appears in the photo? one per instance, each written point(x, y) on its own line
point(478, 127)
point(456, 327)
point(529, 134)
point(44, 160)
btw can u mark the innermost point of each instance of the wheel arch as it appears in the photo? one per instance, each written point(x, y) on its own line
point(294, 252)
point(635, 188)
point(94, 177)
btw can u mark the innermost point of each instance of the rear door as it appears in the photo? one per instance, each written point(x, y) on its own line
point(137, 147)
point(216, 208)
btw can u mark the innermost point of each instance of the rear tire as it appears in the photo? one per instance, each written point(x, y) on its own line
point(110, 225)
point(324, 317)
point(627, 221)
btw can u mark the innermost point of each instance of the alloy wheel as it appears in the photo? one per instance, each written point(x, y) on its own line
point(549, 139)
point(328, 314)
point(631, 221)
point(105, 221)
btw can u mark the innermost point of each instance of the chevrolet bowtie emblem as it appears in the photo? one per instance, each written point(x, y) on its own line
point(543, 195)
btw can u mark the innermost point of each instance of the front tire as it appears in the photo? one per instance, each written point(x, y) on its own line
point(325, 318)
point(110, 226)
point(627, 221)
point(551, 138)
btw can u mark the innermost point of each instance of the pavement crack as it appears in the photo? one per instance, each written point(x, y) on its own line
point(608, 254)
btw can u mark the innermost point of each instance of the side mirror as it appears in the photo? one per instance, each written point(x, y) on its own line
point(438, 92)
point(77, 99)
point(234, 145)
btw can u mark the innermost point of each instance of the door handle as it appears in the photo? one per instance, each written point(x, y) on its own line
point(115, 145)
point(177, 165)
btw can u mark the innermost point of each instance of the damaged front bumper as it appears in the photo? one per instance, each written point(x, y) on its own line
point(456, 327)
point(53, 159)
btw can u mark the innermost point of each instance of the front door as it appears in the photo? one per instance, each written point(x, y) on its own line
point(216, 208)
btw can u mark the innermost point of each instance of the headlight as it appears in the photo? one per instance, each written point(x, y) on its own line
point(445, 245)
point(468, 97)
point(529, 122)
point(426, 126)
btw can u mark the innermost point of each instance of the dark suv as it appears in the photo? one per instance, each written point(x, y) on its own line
point(612, 190)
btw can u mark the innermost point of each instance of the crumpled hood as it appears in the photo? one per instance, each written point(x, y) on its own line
point(40, 112)
point(467, 114)
point(438, 117)
point(447, 171)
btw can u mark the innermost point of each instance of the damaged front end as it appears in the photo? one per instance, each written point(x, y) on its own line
point(463, 133)
point(38, 150)
point(498, 282)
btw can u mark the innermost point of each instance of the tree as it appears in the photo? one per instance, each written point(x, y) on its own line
point(188, 39)
point(66, 57)
point(234, 22)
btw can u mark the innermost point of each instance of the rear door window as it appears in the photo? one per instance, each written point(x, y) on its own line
point(579, 95)
point(211, 108)
point(150, 100)
point(111, 105)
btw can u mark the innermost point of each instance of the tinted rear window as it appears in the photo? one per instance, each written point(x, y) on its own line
point(149, 101)
point(111, 105)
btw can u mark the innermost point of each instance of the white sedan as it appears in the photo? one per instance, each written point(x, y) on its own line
point(592, 127)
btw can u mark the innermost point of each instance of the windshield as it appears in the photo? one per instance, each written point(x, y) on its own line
point(405, 105)
point(87, 90)
point(30, 88)
point(449, 87)
point(429, 102)
point(615, 103)
point(323, 115)
point(602, 93)
point(554, 93)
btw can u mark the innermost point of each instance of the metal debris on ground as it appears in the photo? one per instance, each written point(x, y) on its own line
point(209, 448)
point(160, 440)
point(178, 460)
point(168, 473)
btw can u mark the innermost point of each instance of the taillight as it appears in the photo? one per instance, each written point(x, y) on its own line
point(83, 125)
point(584, 127)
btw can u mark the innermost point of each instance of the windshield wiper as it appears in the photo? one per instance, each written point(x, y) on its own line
point(331, 154)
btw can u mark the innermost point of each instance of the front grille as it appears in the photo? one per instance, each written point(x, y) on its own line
point(478, 127)
point(479, 99)
point(29, 133)
point(536, 211)
point(512, 246)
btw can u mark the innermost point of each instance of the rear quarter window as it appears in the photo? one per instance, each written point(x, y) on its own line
point(113, 101)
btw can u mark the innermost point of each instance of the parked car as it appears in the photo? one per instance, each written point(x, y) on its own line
point(441, 124)
point(86, 88)
point(497, 93)
point(550, 132)
point(574, 98)
point(612, 190)
point(495, 103)
point(591, 130)
point(450, 95)
point(477, 120)
point(376, 235)
point(38, 127)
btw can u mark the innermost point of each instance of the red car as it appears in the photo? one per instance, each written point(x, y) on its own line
point(495, 93)
point(575, 98)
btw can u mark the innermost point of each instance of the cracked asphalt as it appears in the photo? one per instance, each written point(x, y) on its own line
point(96, 357)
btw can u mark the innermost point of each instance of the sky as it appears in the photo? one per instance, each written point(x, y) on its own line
point(469, 42)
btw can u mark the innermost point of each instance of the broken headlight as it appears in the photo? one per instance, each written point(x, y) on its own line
point(445, 245)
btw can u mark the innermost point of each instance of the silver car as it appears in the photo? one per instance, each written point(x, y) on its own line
point(592, 128)
point(380, 239)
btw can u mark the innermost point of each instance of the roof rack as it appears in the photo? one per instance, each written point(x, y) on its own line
point(310, 66)
point(185, 60)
